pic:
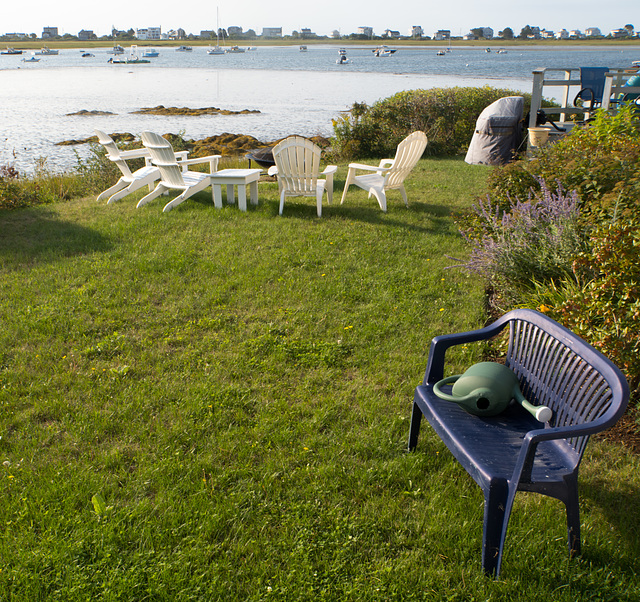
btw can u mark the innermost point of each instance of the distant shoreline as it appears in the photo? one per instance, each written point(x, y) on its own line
point(454, 43)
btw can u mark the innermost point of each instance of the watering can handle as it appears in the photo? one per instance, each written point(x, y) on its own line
point(446, 381)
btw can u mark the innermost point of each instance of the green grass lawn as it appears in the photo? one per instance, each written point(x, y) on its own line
point(214, 405)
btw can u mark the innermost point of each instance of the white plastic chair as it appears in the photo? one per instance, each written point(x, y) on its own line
point(298, 167)
point(174, 175)
point(129, 181)
point(391, 173)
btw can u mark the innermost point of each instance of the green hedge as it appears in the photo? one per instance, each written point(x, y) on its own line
point(447, 115)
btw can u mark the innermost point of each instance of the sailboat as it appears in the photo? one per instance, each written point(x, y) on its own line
point(217, 49)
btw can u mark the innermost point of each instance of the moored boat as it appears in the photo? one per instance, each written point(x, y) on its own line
point(235, 50)
point(150, 53)
point(46, 51)
point(384, 51)
point(10, 50)
point(184, 48)
point(342, 57)
point(132, 59)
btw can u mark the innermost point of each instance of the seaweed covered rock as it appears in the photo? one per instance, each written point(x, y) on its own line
point(125, 138)
point(185, 111)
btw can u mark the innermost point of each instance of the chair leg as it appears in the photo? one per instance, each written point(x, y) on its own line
point(282, 195)
point(414, 429)
point(381, 197)
point(329, 188)
point(573, 518)
point(496, 519)
point(119, 185)
point(348, 182)
point(159, 190)
point(403, 192)
point(319, 193)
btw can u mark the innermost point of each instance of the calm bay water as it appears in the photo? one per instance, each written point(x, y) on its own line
point(295, 92)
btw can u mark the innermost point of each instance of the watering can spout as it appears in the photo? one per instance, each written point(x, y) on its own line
point(486, 389)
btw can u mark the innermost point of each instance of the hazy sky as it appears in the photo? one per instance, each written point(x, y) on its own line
point(322, 17)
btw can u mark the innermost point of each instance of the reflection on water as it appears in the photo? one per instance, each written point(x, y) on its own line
point(296, 93)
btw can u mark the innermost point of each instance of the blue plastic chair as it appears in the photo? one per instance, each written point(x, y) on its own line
point(513, 452)
point(592, 81)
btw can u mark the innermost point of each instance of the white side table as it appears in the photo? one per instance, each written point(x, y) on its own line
point(240, 178)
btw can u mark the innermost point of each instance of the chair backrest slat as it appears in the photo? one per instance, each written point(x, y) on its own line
point(113, 152)
point(408, 154)
point(298, 163)
point(563, 373)
point(163, 157)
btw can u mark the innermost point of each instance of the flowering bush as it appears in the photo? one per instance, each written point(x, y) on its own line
point(533, 241)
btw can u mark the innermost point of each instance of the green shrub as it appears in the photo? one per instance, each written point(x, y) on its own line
point(604, 305)
point(447, 115)
point(44, 187)
point(601, 161)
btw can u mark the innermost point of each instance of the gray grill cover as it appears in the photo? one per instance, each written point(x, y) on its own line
point(498, 132)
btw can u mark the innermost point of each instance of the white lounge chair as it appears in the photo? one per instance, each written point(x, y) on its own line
point(174, 175)
point(391, 173)
point(129, 181)
point(298, 167)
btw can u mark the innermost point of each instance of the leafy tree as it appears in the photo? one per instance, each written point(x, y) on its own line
point(525, 32)
point(506, 33)
point(478, 32)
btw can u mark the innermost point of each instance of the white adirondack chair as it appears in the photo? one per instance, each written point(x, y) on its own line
point(174, 175)
point(391, 173)
point(129, 181)
point(298, 167)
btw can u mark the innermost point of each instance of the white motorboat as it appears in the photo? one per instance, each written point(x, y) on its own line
point(235, 50)
point(132, 59)
point(46, 51)
point(184, 48)
point(117, 49)
point(32, 59)
point(303, 48)
point(215, 50)
point(342, 57)
point(150, 53)
point(384, 51)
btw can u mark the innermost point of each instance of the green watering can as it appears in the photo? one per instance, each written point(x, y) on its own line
point(486, 389)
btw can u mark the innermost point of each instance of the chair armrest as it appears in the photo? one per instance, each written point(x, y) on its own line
point(387, 163)
point(526, 457)
point(440, 344)
point(272, 171)
point(329, 169)
point(212, 160)
point(135, 153)
point(368, 167)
